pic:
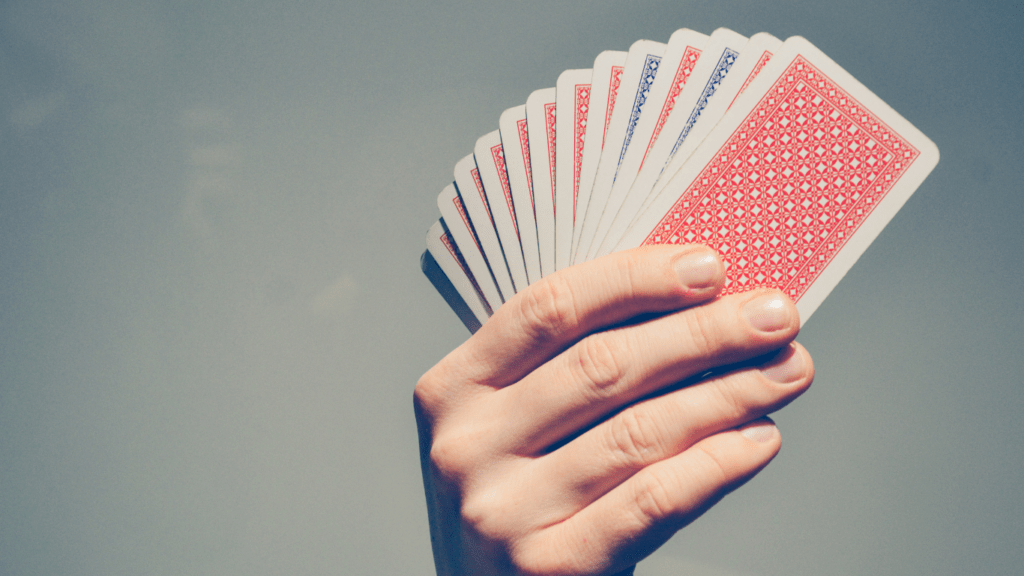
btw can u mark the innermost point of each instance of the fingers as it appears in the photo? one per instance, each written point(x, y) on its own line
point(551, 314)
point(659, 428)
point(631, 521)
point(610, 369)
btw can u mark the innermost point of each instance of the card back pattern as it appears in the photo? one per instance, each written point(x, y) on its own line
point(453, 249)
point(725, 62)
point(765, 57)
point(651, 64)
point(524, 146)
point(498, 155)
point(549, 129)
point(686, 65)
point(791, 186)
point(483, 196)
point(465, 220)
point(613, 91)
point(581, 98)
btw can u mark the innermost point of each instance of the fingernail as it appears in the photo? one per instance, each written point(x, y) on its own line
point(786, 367)
point(767, 313)
point(697, 271)
point(760, 430)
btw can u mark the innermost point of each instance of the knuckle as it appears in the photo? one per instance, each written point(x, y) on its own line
point(706, 331)
point(713, 465)
point(548, 308)
point(486, 513)
point(654, 499)
point(451, 455)
point(633, 436)
point(732, 396)
point(631, 267)
point(428, 393)
point(598, 363)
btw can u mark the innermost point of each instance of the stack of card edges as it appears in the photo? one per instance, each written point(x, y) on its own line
point(765, 150)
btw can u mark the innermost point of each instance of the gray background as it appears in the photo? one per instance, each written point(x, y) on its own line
point(212, 315)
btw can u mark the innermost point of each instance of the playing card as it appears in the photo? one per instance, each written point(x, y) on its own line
point(753, 57)
point(642, 62)
point(516, 142)
point(717, 58)
point(490, 161)
point(445, 253)
point(471, 190)
point(453, 212)
point(572, 98)
point(607, 77)
point(795, 181)
point(540, 124)
point(681, 56)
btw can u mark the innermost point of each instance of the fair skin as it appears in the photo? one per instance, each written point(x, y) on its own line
point(579, 428)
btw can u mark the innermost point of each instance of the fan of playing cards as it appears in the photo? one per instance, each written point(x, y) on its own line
point(765, 150)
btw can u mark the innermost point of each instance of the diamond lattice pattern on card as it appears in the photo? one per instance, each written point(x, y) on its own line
point(791, 186)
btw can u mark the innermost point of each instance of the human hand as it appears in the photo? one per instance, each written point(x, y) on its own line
point(577, 430)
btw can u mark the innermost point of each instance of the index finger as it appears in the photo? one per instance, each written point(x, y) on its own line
point(550, 315)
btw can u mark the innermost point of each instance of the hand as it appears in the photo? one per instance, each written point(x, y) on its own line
point(579, 429)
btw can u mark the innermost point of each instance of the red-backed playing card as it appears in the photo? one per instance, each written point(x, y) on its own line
point(796, 180)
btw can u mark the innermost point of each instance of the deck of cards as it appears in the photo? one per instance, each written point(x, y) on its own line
point(765, 150)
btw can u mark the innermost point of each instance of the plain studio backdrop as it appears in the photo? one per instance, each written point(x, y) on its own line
point(212, 314)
